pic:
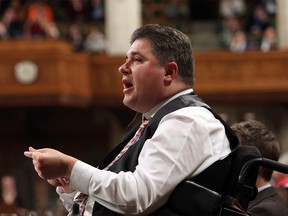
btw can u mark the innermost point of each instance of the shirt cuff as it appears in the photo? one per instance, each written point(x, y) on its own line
point(66, 197)
point(81, 176)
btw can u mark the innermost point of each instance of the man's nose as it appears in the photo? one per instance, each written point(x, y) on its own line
point(124, 68)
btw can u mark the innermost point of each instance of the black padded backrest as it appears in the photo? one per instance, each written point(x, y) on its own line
point(215, 176)
point(223, 176)
point(206, 193)
point(222, 167)
point(245, 190)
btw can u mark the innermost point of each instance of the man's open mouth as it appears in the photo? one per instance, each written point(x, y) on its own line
point(127, 84)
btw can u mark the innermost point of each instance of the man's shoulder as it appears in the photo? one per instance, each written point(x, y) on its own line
point(267, 201)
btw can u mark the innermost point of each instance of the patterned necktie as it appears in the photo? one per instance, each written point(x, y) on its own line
point(82, 198)
point(134, 139)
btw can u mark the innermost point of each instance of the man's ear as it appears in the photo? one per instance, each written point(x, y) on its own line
point(171, 71)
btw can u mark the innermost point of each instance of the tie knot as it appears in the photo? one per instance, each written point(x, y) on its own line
point(144, 123)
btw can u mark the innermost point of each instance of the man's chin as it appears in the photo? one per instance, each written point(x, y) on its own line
point(128, 103)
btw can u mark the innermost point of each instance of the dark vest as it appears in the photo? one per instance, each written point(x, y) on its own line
point(129, 160)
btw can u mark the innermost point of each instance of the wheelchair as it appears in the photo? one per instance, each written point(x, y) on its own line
point(238, 172)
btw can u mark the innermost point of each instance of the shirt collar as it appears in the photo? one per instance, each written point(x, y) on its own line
point(151, 113)
point(264, 187)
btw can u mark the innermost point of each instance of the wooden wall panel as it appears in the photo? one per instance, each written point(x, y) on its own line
point(71, 79)
point(106, 80)
point(250, 76)
point(242, 72)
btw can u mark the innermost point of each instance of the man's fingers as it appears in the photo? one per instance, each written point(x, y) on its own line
point(30, 151)
point(64, 181)
point(28, 154)
point(54, 182)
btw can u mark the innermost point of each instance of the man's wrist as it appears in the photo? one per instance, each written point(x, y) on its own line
point(64, 190)
point(70, 164)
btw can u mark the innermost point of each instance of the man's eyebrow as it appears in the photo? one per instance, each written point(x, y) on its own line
point(135, 53)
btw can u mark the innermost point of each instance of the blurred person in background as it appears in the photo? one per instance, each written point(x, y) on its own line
point(229, 27)
point(39, 22)
point(10, 24)
point(76, 11)
point(177, 9)
point(95, 42)
point(9, 199)
point(75, 36)
point(232, 8)
point(269, 40)
point(280, 180)
point(254, 133)
point(239, 42)
point(96, 8)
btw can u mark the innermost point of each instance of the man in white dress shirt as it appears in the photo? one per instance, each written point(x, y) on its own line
point(181, 140)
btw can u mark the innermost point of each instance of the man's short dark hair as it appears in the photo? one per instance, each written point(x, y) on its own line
point(255, 133)
point(169, 45)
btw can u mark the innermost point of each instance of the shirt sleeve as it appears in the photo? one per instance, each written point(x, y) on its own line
point(185, 143)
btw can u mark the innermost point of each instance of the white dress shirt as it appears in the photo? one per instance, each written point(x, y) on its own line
point(186, 142)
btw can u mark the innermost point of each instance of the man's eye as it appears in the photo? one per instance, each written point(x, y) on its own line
point(137, 59)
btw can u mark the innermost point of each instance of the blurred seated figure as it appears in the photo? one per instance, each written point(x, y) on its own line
point(271, 7)
point(281, 180)
point(75, 37)
point(177, 9)
point(76, 11)
point(9, 200)
point(254, 133)
point(232, 8)
point(269, 40)
point(95, 42)
point(39, 21)
point(281, 185)
point(260, 20)
point(239, 42)
point(10, 25)
point(96, 10)
point(229, 27)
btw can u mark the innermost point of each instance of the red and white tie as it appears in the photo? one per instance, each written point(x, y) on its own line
point(134, 139)
point(82, 198)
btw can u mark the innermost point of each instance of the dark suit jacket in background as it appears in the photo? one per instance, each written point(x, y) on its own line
point(267, 203)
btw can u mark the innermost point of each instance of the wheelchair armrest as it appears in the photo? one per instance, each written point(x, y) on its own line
point(190, 198)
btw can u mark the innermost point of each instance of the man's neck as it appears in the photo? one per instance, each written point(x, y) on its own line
point(261, 182)
point(152, 112)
